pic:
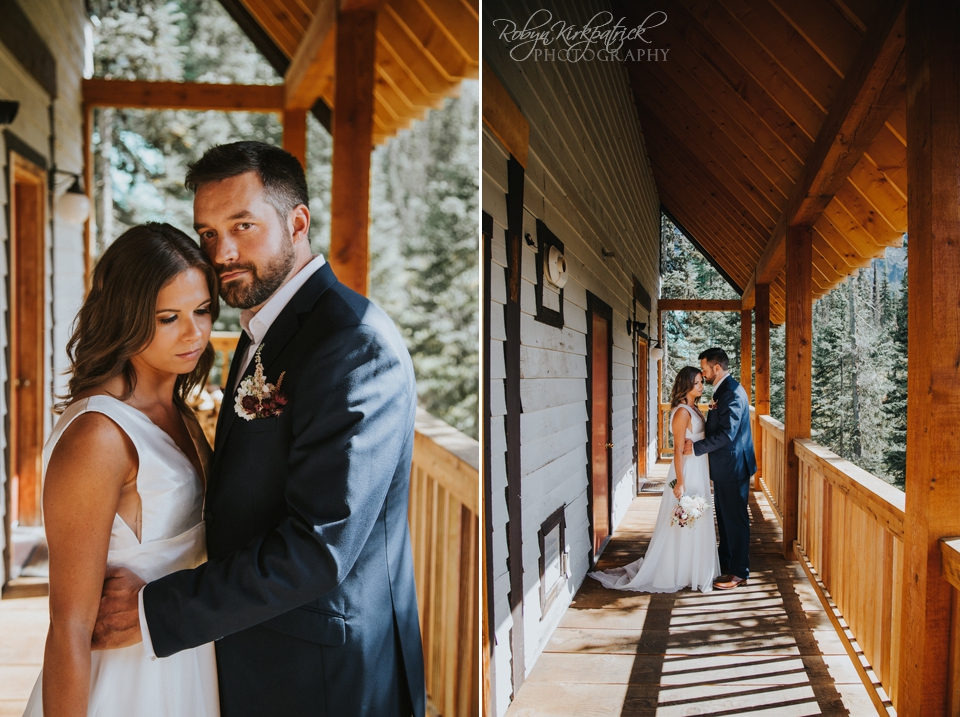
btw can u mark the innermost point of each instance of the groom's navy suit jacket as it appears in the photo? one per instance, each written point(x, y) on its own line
point(728, 439)
point(309, 589)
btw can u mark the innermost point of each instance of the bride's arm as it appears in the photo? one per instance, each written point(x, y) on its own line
point(681, 420)
point(89, 467)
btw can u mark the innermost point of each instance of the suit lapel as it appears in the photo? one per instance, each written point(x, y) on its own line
point(281, 331)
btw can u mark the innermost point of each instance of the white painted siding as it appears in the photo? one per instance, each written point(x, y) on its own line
point(494, 203)
point(61, 25)
point(589, 180)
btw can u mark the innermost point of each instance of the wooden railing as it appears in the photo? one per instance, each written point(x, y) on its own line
point(850, 542)
point(444, 528)
point(950, 553)
point(772, 466)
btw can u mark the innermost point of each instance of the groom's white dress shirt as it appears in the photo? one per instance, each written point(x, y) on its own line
point(255, 324)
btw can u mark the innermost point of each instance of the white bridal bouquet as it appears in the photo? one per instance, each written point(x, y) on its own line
point(688, 509)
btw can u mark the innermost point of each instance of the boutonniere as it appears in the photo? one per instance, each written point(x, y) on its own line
point(712, 405)
point(256, 398)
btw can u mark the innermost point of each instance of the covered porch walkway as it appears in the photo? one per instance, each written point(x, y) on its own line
point(768, 648)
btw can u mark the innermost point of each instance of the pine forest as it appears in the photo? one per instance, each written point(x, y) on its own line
point(859, 402)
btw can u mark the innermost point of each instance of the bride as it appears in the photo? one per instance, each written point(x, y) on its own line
point(677, 557)
point(124, 474)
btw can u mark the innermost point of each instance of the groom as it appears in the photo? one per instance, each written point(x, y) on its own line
point(729, 443)
point(309, 589)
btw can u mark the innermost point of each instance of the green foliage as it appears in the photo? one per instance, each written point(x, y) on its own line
point(895, 403)
point(424, 182)
point(686, 274)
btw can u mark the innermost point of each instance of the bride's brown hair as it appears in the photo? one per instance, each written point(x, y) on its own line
point(118, 318)
point(683, 384)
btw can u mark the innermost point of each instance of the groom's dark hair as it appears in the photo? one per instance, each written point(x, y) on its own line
point(279, 171)
point(717, 357)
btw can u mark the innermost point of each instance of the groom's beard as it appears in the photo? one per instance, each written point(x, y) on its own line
point(253, 291)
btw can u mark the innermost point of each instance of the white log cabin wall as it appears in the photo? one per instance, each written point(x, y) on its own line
point(61, 24)
point(588, 179)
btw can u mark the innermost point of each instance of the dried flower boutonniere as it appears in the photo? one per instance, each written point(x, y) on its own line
point(256, 398)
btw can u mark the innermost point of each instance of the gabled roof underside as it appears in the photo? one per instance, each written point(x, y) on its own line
point(425, 48)
point(730, 119)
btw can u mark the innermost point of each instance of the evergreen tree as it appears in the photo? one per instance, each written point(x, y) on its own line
point(895, 404)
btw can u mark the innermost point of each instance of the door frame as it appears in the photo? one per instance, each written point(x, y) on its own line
point(643, 409)
point(595, 305)
point(27, 354)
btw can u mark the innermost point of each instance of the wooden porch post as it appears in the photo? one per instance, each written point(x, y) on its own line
point(762, 402)
point(933, 399)
point(798, 369)
point(746, 351)
point(295, 134)
point(352, 143)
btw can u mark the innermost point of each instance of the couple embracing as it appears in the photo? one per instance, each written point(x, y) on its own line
point(683, 549)
point(272, 575)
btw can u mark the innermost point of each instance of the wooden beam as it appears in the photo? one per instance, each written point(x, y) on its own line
point(356, 44)
point(311, 68)
point(762, 366)
point(798, 382)
point(699, 304)
point(502, 115)
point(869, 93)
point(141, 94)
point(746, 351)
point(933, 401)
point(295, 134)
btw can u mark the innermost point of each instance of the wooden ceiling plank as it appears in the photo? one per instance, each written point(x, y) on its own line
point(866, 216)
point(859, 12)
point(848, 253)
point(880, 193)
point(397, 76)
point(459, 23)
point(861, 108)
point(759, 64)
point(890, 157)
point(689, 163)
point(311, 68)
point(424, 30)
point(703, 84)
point(826, 29)
point(844, 223)
point(698, 135)
point(897, 122)
point(412, 55)
point(789, 48)
point(751, 94)
point(182, 95)
point(854, 251)
point(682, 174)
point(280, 33)
point(835, 259)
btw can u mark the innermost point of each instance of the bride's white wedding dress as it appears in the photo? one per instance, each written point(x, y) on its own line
point(126, 682)
point(677, 557)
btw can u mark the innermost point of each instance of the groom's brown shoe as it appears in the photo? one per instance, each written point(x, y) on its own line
point(730, 583)
point(722, 578)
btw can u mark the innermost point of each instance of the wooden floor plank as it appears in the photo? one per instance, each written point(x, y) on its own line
point(766, 648)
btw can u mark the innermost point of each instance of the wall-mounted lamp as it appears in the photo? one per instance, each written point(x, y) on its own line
point(8, 111)
point(73, 206)
point(656, 353)
point(636, 326)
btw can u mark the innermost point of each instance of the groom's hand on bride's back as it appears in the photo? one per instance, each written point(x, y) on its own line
point(118, 619)
point(687, 447)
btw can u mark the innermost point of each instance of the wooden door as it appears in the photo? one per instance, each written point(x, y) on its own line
point(599, 366)
point(27, 278)
point(642, 409)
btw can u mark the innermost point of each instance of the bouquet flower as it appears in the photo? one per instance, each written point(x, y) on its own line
point(688, 510)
